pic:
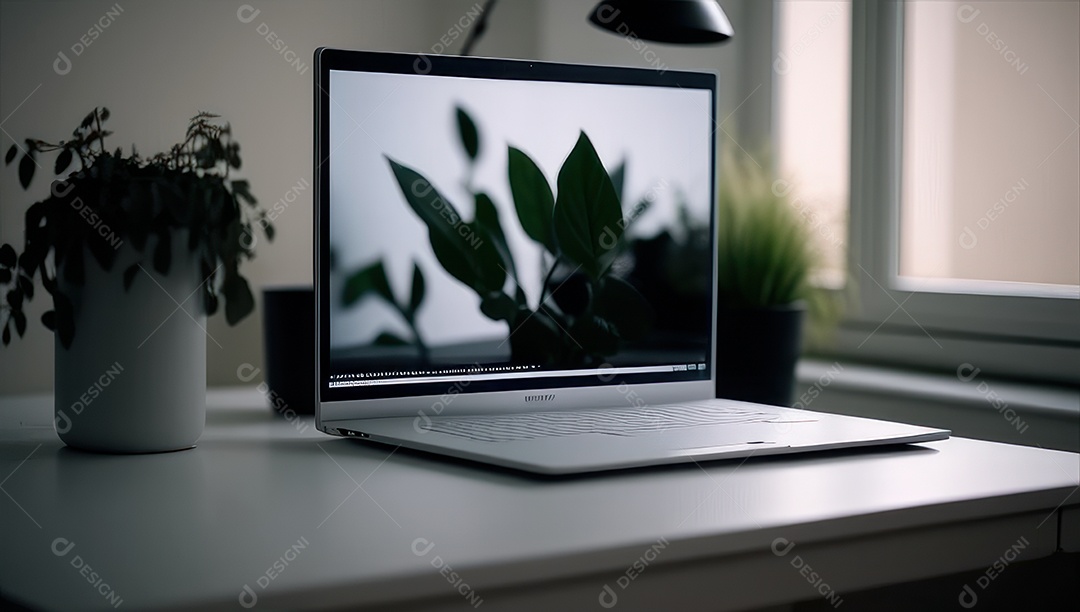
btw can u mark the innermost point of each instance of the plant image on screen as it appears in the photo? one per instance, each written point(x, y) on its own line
point(586, 312)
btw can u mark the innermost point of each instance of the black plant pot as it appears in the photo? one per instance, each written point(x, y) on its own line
point(756, 353)
point(289, 343)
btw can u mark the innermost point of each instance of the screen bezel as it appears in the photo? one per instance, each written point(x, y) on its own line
point(343, 403)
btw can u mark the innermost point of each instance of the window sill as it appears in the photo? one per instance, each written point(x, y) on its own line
point(978, 407)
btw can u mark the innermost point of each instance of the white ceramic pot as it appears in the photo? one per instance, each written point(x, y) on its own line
point(134, 378)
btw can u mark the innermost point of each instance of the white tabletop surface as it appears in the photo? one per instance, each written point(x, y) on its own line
point(350, 524)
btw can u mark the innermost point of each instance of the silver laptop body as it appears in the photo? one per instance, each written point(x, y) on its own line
point(468, 309)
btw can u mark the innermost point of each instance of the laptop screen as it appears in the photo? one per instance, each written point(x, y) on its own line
point(497, 225)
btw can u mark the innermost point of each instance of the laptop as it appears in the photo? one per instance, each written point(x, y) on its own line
point(515, 265)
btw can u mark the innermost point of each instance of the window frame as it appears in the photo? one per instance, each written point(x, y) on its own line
point(890, 320)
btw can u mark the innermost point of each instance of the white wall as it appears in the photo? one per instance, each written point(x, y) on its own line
point(158, 63)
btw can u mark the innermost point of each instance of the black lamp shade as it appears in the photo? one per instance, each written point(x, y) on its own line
point(666, 21)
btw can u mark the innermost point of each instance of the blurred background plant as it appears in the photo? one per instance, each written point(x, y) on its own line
point(109, 200)
point(766, 251)
point(766, 258)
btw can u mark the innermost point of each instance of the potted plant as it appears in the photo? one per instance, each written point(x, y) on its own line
point(585, 312)
point(765, 258)
point(135, 253)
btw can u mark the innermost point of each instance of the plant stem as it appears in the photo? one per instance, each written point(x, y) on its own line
point(101, 134)
point(547, 279)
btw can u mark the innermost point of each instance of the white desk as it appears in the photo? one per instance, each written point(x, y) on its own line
point(190, 529)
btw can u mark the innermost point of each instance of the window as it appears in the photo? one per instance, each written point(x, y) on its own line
point(813, 89)
point(989, 193)
point(963, 237)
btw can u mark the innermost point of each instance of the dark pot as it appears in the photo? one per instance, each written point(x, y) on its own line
point(289, 344)
point(756, 353)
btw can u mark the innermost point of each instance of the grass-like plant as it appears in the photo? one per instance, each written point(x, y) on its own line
point(110, 201)
point(766, 252)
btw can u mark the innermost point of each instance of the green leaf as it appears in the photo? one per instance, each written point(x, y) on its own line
point(487, 216)
point(470, 139)
point(63, 160)
point(498, 306)
point(242, 190)
point(465, 250)
point(5, 276)
point(416, 297)
point(49, 320)
point(27, 286)
point(618, 178)
point(15, 298)
point(441, 219)
point(389, 339)
point(627, 310)
point(268, 228)
point(588, 217)
point(210, 301)
point(7, 256)
point(239, 302)
point(486, 259)
point(455, 260)
point(6, 336)
point(533, 199)
point(172, 199)
point(20, 322)
point(101, 247)
point(37, 249)
point(26, 169)
point(10, 156)
point(370, 279)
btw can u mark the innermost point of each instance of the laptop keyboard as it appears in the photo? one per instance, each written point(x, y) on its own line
point(612, 422)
